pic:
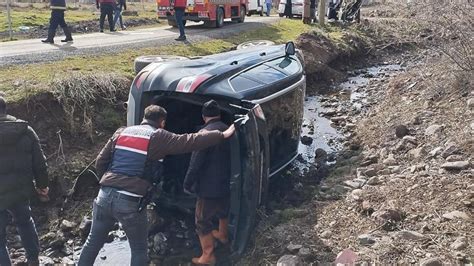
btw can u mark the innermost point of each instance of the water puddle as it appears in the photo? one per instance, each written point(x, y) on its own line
point(318, 110)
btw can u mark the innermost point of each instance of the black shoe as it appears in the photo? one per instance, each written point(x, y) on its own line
point(101, 30)
point(67, 40)
point(47, 41)
point(113, 30)
point(181, 38)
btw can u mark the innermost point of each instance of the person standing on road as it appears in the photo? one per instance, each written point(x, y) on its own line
point(288, 9)
point(106, 9)
point(179, 8)
point(23, 170)
point(127, 164)
point(209, 177)
point(269, 6)
point(57, 19)
point(121, 4)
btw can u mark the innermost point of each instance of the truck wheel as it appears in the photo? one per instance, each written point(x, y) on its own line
point(243, 11)
point(143, 61)
point(261, 13)
point(220, 17)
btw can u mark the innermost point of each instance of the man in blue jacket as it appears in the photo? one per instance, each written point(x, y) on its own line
point(57, 19)
point(209, 177)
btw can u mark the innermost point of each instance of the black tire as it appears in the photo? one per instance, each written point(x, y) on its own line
point(281, 15)
point(142, 61)
point(241, 18)
point(220, 17)
point(261, 13)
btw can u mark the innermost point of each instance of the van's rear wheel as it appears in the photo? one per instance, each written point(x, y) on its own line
point(220, 17)
point(243, 11)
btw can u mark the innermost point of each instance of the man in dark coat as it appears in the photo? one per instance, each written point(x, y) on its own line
point(209, 177)
point(107, 8)
point(57, 19)
point(22, 170)
point(126, 165)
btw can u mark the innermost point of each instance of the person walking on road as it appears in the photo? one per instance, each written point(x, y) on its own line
point(208, 176)
point(179, 8)
point(57, 19)
point(23, 170)
point(121, 5)
point(106, 9)
point(128, 164)
point(269, 6)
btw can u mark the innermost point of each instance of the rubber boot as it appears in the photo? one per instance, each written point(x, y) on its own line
point(222, 233)
point(207, 246)
point(50, 38)
point(67, 32)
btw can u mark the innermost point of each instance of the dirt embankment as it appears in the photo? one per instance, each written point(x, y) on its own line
point(401, 188)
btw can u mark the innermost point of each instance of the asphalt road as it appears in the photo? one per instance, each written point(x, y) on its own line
point(33, 51)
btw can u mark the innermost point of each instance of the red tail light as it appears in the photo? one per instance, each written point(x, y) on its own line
point(139, 79)
point(190, 84)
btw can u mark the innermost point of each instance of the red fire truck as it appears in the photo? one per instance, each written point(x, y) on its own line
point(212, 12)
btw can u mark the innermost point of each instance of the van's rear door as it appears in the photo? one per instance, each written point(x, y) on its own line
point(246, 187)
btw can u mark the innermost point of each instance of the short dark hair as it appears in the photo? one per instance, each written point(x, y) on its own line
point(155, 113)
point(211, 109)
point(3, 105)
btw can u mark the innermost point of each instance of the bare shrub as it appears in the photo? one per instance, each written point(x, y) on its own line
point(448, 28)
point(81, 95)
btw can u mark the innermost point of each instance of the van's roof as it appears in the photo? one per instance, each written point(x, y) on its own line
point(166, 76)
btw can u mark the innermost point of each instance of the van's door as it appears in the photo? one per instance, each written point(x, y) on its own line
point(246, 187)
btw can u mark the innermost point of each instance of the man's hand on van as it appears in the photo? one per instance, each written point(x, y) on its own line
point(229, 132)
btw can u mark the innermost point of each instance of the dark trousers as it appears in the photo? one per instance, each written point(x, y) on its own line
point(118, 15)
point(111, 207)
point(26, 227)
point(179, 14)
point(107, 9)
point(57, 19)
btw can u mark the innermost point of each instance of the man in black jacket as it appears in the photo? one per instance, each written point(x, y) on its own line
point(209, 177)
point(57, 19)
point(22, 169)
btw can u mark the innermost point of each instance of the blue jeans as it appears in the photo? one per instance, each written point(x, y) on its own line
point(269, 8)
point(118, 16)
point(179, 14)
point(26, 227)
point(110, 207)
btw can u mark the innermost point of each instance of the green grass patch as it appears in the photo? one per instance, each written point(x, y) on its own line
point(19, 82)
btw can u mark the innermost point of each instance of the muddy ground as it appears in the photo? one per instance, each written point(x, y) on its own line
point(385, 171)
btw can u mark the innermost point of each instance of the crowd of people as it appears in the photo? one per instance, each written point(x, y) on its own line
point(129, 166)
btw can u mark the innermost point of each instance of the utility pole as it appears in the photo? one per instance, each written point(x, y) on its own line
point(10, 30)
point(321, 11)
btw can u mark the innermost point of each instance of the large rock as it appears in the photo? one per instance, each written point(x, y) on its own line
point(290, 260)
point(460, 243)
point(356, 183)
point(306, 140)
point(417, 153)
point(451, 148)
point(433, 130)
point(409, 235)
point(293, 248)
point(470, 103)
point(388, 215)
point(366, 240)
point(456, 215)
point(346, 257)
point(456, 166)
point(432, 262)
point(85, 226)
point(401, 131)
point(436, 151)
point(454, 158)
point(390, 161)
point(67, 226)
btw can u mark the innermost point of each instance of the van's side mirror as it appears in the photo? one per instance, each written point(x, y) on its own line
point(290, 48)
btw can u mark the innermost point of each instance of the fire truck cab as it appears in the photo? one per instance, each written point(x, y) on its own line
point(212, 12)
